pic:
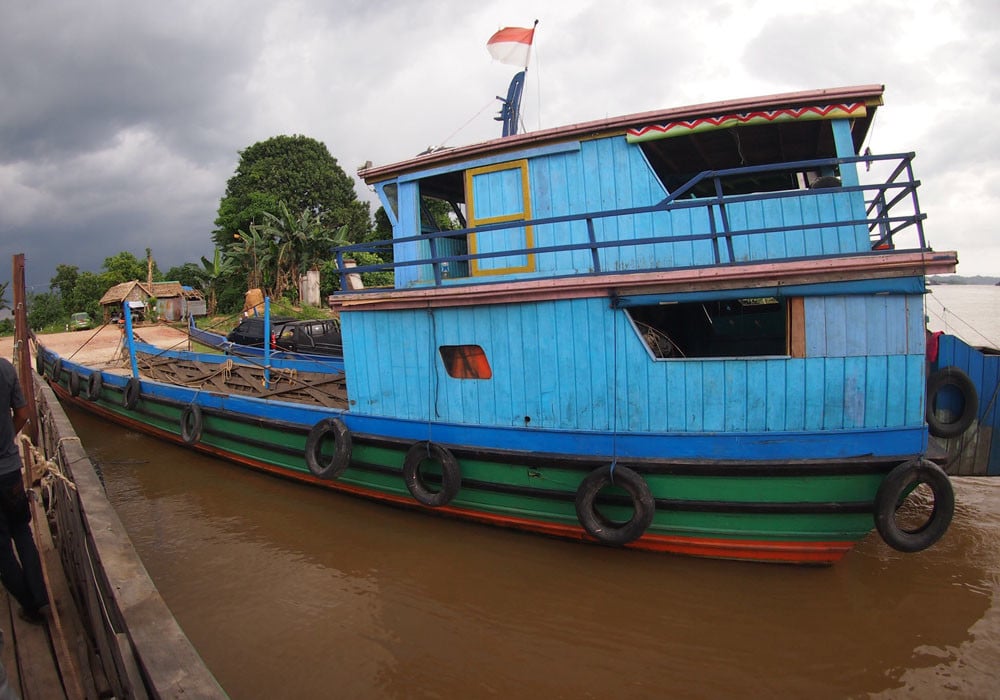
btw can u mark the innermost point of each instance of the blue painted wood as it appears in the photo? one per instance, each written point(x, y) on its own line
point(743, 446)
point(579, 365)
point(609, 174)
point(984, 371)
point(408, 203)
point(844, 143)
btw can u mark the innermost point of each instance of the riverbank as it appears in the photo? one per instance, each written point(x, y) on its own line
point(101, 346)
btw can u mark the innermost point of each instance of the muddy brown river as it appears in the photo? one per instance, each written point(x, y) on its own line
point(288, 591)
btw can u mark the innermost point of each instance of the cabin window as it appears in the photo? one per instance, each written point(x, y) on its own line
point(499, 194)
point(442, 208)
point(390, 198)
point(746, 327)
point(677, 160)
point(465, 362)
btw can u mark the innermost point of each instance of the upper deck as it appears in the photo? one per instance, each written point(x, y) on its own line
point(736, 185)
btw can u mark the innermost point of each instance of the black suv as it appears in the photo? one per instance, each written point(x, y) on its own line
point(250, 331)
point(317, 337)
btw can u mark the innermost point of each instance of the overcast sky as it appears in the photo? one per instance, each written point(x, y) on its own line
point(122, 120)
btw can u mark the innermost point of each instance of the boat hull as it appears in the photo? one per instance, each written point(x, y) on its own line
point(795, 510)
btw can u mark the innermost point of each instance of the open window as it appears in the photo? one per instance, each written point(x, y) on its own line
point(677, 160)
point(745, 327)
point(442, 208)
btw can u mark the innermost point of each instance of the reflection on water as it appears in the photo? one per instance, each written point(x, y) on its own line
point(292, 592)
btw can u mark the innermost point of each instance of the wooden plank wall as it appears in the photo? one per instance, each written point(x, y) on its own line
point(974, 453)
point(556, 361)
point(607, 174)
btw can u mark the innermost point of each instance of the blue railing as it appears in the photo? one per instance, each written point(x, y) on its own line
point(890, 209)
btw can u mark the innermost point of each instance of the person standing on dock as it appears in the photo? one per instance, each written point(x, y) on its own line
point(22, 574)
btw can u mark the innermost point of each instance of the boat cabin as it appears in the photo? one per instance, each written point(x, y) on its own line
point(726, 256)
point(664, 190)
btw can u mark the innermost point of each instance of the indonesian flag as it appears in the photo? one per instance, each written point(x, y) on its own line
point(511, 45)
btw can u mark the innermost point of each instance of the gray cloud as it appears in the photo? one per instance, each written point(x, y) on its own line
point(121, 121)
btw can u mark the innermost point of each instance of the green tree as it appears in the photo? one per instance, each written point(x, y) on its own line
point(251, 253)
point(297, 242)
point(329, 274)
point(298, 171)
point(64, 283)
point(87, 293)
point(210, 277)
point(4, 303)
point(44, 310)
point(187, 274)
point(125, 267)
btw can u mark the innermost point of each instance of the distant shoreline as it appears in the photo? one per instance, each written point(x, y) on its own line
point(959, 279)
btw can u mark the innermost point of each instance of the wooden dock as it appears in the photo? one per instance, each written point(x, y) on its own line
point(44, 661)
point(108, 633)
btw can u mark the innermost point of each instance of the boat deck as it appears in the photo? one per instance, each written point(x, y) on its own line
point(103, 349)
point(47, 660)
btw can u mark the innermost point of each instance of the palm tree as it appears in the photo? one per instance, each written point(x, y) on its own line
point(4, 304)
point(209, 276)
point(298, 242)
point(251, 252)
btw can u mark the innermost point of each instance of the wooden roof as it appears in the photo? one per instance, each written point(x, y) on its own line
point(160, 290)
point(870, 94)
point(121, 292)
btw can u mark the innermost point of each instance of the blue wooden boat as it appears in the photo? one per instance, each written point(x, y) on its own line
point(698, 330)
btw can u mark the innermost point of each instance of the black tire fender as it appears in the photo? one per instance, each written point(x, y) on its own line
point(451, 474)
point(40, 362)
point(95, 382)
point(191, 424)
point(342, 448)
point(56, 375)
point(893, 491)
point(131, 393)
point(958, 380)
point(74, 383)
point(602, 528)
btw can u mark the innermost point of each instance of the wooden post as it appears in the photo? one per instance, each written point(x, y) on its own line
point(22, 356)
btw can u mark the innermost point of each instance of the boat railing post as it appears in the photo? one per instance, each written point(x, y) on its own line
point(594, 253)
point(267, 342)
point(435, 264)
point(339, 256)
point(720, 207)
point(911, 183)
point(129, 340)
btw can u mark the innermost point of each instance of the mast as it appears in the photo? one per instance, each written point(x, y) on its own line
point(21, 360)
point(508, 46)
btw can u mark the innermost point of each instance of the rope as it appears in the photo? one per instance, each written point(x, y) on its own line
point(946, 313)
point(92, 336)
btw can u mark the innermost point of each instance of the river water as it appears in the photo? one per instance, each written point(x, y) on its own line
point(288, 591)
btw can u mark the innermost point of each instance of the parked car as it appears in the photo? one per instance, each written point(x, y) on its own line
point(250, 331)
point(316, 337)
point(80, 321)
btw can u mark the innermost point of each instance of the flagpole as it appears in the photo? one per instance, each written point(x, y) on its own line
point(527, 59)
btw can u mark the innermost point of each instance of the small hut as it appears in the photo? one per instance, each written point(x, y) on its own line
point(171, 301)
